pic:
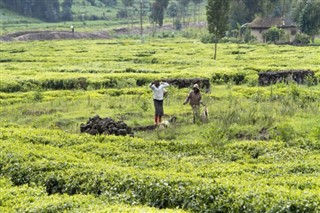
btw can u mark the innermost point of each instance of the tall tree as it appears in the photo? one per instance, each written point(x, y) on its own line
point(172, 11)
point(183, 8)
point(196, 4)
point(52, 11)
point(127, 4)
point(157, 13)
point(254, 7)
point(217, 17)
point(239, 14)
point(309, 17)
point(66, 14)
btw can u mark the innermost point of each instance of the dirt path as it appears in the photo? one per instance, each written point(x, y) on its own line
point(53, 35)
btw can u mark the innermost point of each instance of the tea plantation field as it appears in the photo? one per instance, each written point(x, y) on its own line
point(259, 152)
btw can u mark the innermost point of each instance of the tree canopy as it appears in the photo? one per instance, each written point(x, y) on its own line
point(217, 17)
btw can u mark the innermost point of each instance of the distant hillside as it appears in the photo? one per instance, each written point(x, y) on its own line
point(8, 16)
point(60, 10)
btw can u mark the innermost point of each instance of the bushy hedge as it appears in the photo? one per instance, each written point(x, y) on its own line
point(133, 171)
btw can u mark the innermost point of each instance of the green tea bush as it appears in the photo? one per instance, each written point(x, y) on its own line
point(10, 87)
point(207, 39)
point(124, 83)
point(252, 80)
point(283, 132)
point(222, 78)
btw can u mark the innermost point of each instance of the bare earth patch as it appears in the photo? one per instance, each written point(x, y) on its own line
point(52, 35)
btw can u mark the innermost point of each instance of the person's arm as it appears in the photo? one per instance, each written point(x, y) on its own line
point(165, 84)
point(151, 85)
point(187, 99)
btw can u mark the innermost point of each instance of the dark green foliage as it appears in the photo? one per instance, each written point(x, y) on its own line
point(66, 14)
point(157, 11)
point(47, 10)
point(217, 16)
point(222, 78)
point(301, 39)
point(273, 35)
point(307, 15)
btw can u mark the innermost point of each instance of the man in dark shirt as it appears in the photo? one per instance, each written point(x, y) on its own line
point(194, 98)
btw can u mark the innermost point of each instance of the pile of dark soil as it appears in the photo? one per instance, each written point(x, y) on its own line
point(107, 126)
point(298, 76)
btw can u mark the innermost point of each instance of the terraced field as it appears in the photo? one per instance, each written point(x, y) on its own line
point(260, 151)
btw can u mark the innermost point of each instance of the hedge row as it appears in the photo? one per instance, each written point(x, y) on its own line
point(135, 171)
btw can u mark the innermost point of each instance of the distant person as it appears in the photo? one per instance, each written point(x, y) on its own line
point(158, 89)
point(72, 28)
point(194, 98)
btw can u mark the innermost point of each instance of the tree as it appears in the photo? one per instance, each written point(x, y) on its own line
point(254, 7)
point(52, 11)
point(217, 17)
point(66, 14)
point(127, 4)
point(309, 18)
point(172, 10)
point(239, 14)
point(157, 13)
point(196, 7)
point(183, 8)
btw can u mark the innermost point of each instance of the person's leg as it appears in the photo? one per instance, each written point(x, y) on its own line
point(158, 105)
point(156, 120)
point(198, 113)
point(195, 109)
point(160, 110)
point(194, 113)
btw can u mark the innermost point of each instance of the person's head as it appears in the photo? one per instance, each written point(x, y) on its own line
point(196, 88)
point(156, 83)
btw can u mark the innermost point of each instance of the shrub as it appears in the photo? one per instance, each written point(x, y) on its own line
point(177, 24)
point(252, 80)
point(274, 35)
point(247, 37)
point(301, 39)
point(236, 78)
point(283, 132)
point(207, 39)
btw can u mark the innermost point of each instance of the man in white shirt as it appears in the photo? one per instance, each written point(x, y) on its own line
point(158, 94)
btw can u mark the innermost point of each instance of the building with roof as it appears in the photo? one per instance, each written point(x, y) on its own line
point(260, 25)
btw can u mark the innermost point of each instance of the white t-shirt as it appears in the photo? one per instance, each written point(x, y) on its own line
point(158, 91)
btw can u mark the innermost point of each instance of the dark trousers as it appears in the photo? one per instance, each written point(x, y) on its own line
point(158, 107)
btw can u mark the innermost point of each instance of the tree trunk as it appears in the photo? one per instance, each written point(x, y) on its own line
point(215, 49)
point(312, 38)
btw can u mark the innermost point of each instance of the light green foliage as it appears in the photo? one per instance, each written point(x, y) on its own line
point(112, 64)
point(258, 153)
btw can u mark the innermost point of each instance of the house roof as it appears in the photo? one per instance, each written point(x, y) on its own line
point(263, 23)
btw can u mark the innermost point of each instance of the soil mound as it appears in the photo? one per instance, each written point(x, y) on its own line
point(107, 126)
point(56, 34)
point(298, 76)
point(52, 35)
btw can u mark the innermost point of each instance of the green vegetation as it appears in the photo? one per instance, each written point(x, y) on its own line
point(258, 153)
